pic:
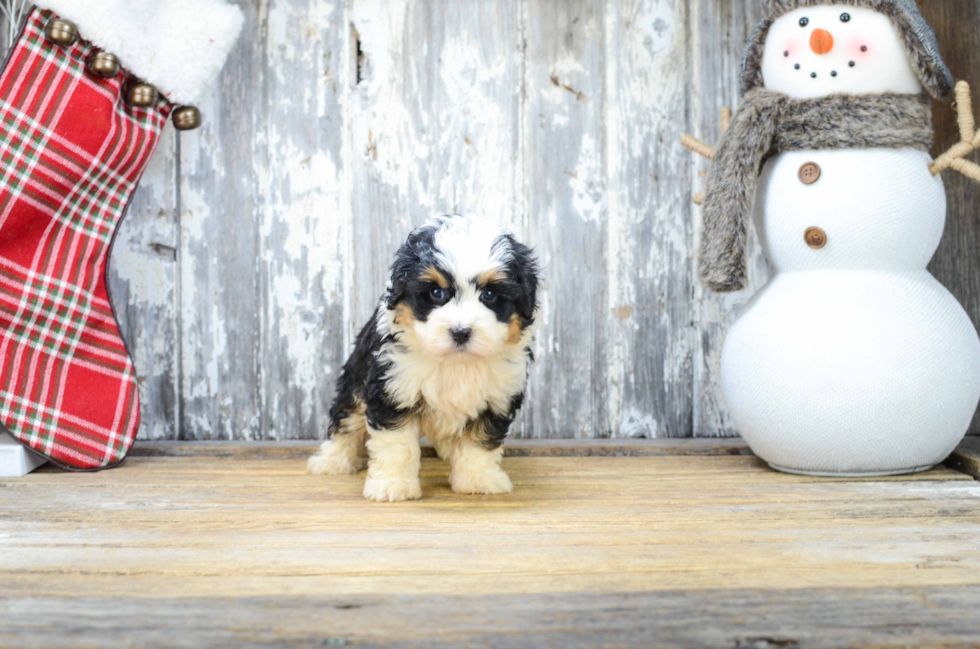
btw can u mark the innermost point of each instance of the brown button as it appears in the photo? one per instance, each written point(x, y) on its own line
point(815, 238)
point(809, 173)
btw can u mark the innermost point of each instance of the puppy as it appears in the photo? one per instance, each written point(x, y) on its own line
point(446, 355)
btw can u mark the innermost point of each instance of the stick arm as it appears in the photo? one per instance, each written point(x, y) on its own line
point(706, 150)
point(969, 139)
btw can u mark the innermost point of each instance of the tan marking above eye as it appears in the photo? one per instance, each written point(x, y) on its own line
point(433, 275)
point(491, 276)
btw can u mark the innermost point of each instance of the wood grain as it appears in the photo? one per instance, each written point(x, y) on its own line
point(143, 285)
point(649, 336)
point(564, 157)
point(263, 258)
point(966, 458)
point(296, 449)
point(924, 618)
point(718, 32)
point(221, 196)
point(642, 551)
point(304, 257)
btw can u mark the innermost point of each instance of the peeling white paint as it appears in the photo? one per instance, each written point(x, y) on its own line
point(638, 424)
point(586, 182)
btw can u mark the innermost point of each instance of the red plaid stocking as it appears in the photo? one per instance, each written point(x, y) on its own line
point(71, 153)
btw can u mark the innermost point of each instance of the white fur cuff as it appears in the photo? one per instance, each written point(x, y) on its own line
point(179, 46)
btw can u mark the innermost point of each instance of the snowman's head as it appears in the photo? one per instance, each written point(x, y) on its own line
point(814, 48)
point(818, 51)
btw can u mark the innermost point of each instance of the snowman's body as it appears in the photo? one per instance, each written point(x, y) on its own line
point(854, 359)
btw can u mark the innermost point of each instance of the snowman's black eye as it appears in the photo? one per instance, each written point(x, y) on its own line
point(804, 22)
point(845, 18)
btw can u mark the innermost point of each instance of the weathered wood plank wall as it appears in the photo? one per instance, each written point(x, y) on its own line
point(718, 32)
point(257, 245)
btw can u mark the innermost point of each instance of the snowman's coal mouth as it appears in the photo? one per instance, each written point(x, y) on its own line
point(834, 73)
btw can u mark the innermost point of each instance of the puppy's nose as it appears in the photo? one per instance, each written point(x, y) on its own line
point(821, 41)
point(461, 335)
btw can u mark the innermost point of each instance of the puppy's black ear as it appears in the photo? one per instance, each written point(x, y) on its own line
point(410, 259)
point(523, 269)
point(393, 297)
point(401, 271)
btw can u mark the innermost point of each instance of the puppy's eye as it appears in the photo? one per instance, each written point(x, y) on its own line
point(845, 18)
point(804, 22)
point(437, 294)
point(488, 297)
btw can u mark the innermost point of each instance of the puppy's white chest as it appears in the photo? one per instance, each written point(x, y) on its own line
point(460, 392)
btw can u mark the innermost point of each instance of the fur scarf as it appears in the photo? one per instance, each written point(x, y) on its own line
point(769, 123)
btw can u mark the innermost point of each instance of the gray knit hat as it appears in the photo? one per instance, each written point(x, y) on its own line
point(920, 41)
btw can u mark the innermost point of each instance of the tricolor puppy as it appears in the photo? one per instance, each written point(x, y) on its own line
point(445, 355)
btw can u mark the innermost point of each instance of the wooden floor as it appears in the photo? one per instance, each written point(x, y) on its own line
point(678, 546)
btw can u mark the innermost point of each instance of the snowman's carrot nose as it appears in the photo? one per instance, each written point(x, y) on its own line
point(821, 41)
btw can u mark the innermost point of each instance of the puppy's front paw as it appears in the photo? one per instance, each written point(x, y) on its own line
point(334, 459)
point(494, 481)
point(392, 489)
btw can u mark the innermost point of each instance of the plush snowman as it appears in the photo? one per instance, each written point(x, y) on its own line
point(853, 360)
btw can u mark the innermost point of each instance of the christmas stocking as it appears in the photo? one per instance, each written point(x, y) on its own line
point(84, 96)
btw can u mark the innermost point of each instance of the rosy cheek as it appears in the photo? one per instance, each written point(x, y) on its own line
point(859, 49)
point(791, 49)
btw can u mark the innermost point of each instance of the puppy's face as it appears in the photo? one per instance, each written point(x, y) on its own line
point(462, 289)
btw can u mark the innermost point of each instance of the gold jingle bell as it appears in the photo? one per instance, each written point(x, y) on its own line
point(142, 95)
point(187, 118)
point(103, 64)
point(61, 32)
